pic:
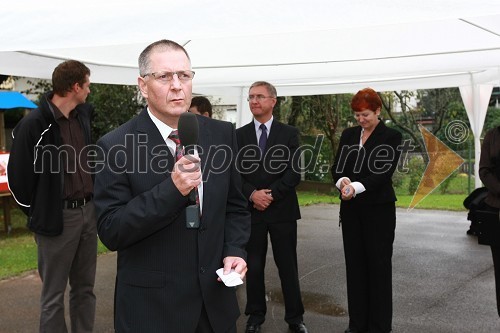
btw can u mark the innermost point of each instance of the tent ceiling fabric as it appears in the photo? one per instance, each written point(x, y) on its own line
point(318, 47)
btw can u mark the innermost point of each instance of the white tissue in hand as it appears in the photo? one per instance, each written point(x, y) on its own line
point(231, 280)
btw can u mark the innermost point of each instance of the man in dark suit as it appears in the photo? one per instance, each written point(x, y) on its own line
point(268, 161)
point(166, 275)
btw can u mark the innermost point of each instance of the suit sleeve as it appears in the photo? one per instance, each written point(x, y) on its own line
point(123, 216)
point(336, 171)
point(242, 149)
point(21, 175)
point(237, 226)
point(487, 168)
point(374, 180)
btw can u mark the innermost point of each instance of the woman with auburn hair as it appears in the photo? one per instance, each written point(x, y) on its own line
point(366, 158)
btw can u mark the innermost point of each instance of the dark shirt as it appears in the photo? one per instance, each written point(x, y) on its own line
point(77, 183)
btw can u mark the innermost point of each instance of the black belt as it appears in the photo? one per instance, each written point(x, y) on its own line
point(75, 203)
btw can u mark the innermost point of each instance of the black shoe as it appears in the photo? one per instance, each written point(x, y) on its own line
point(350, 331)
point(252, 328)
point(471, 232)
point(298, 328)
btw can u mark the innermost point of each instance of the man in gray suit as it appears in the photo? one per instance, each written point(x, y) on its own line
point(166, 277)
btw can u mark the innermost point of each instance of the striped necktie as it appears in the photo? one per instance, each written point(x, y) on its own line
point(174, 136)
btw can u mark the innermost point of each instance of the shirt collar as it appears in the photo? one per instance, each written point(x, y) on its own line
point(164, 129)
point(267, 123)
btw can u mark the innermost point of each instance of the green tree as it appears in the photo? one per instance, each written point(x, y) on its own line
point(492, 119)
point(114, 105)
point(408, 109)
point(318, 117)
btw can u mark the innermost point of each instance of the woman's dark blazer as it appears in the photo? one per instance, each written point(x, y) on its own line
point(373, 165)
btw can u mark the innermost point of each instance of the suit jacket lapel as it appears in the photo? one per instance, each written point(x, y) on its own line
point(251, 134)
point(274, 133)
point(149, 135)
point(205, 143)
point(374, 137)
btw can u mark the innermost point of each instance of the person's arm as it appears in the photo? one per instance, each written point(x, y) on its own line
point(237, 219)
point(388, 162)
point(21, 175)
point(125, 217)
point(338, 168)
point(338, 172)
point(487, 168)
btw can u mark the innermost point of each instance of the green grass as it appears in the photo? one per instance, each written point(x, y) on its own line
point(18, 250)
point(452, 202)
point(18, 253)
point(311, 198)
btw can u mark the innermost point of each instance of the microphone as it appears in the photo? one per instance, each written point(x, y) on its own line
point(188, 129)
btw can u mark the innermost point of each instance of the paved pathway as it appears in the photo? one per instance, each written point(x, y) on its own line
point(443, 280)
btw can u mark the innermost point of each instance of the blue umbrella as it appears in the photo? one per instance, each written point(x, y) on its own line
point(14, 99)
point(11, 100)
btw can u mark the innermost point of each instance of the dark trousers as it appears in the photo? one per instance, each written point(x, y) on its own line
point(368, 235)
point(204, 325)
point(69, 256)
point(284, 244)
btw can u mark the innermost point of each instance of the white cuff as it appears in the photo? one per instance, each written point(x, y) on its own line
point(358, 188)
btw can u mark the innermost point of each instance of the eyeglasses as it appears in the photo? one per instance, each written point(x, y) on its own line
point(258, 97)
point(183, 76)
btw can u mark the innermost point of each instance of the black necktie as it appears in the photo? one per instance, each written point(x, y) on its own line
point(263, 138)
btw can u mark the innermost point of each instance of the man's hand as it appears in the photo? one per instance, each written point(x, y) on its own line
point(238, 264)
point(186, 174)
point(262, 199)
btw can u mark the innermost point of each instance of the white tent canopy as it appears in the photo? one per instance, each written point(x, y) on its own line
point(320, 46)
point(313, 47)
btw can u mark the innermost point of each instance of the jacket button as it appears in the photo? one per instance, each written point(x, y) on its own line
point(202, 270)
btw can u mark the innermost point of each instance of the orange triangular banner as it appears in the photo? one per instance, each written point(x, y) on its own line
point(442, 162)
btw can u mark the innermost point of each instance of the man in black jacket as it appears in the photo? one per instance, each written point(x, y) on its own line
point(269, 185)
point(49, 177)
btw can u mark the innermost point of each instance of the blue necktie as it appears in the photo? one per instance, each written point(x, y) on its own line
point(263, 139)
